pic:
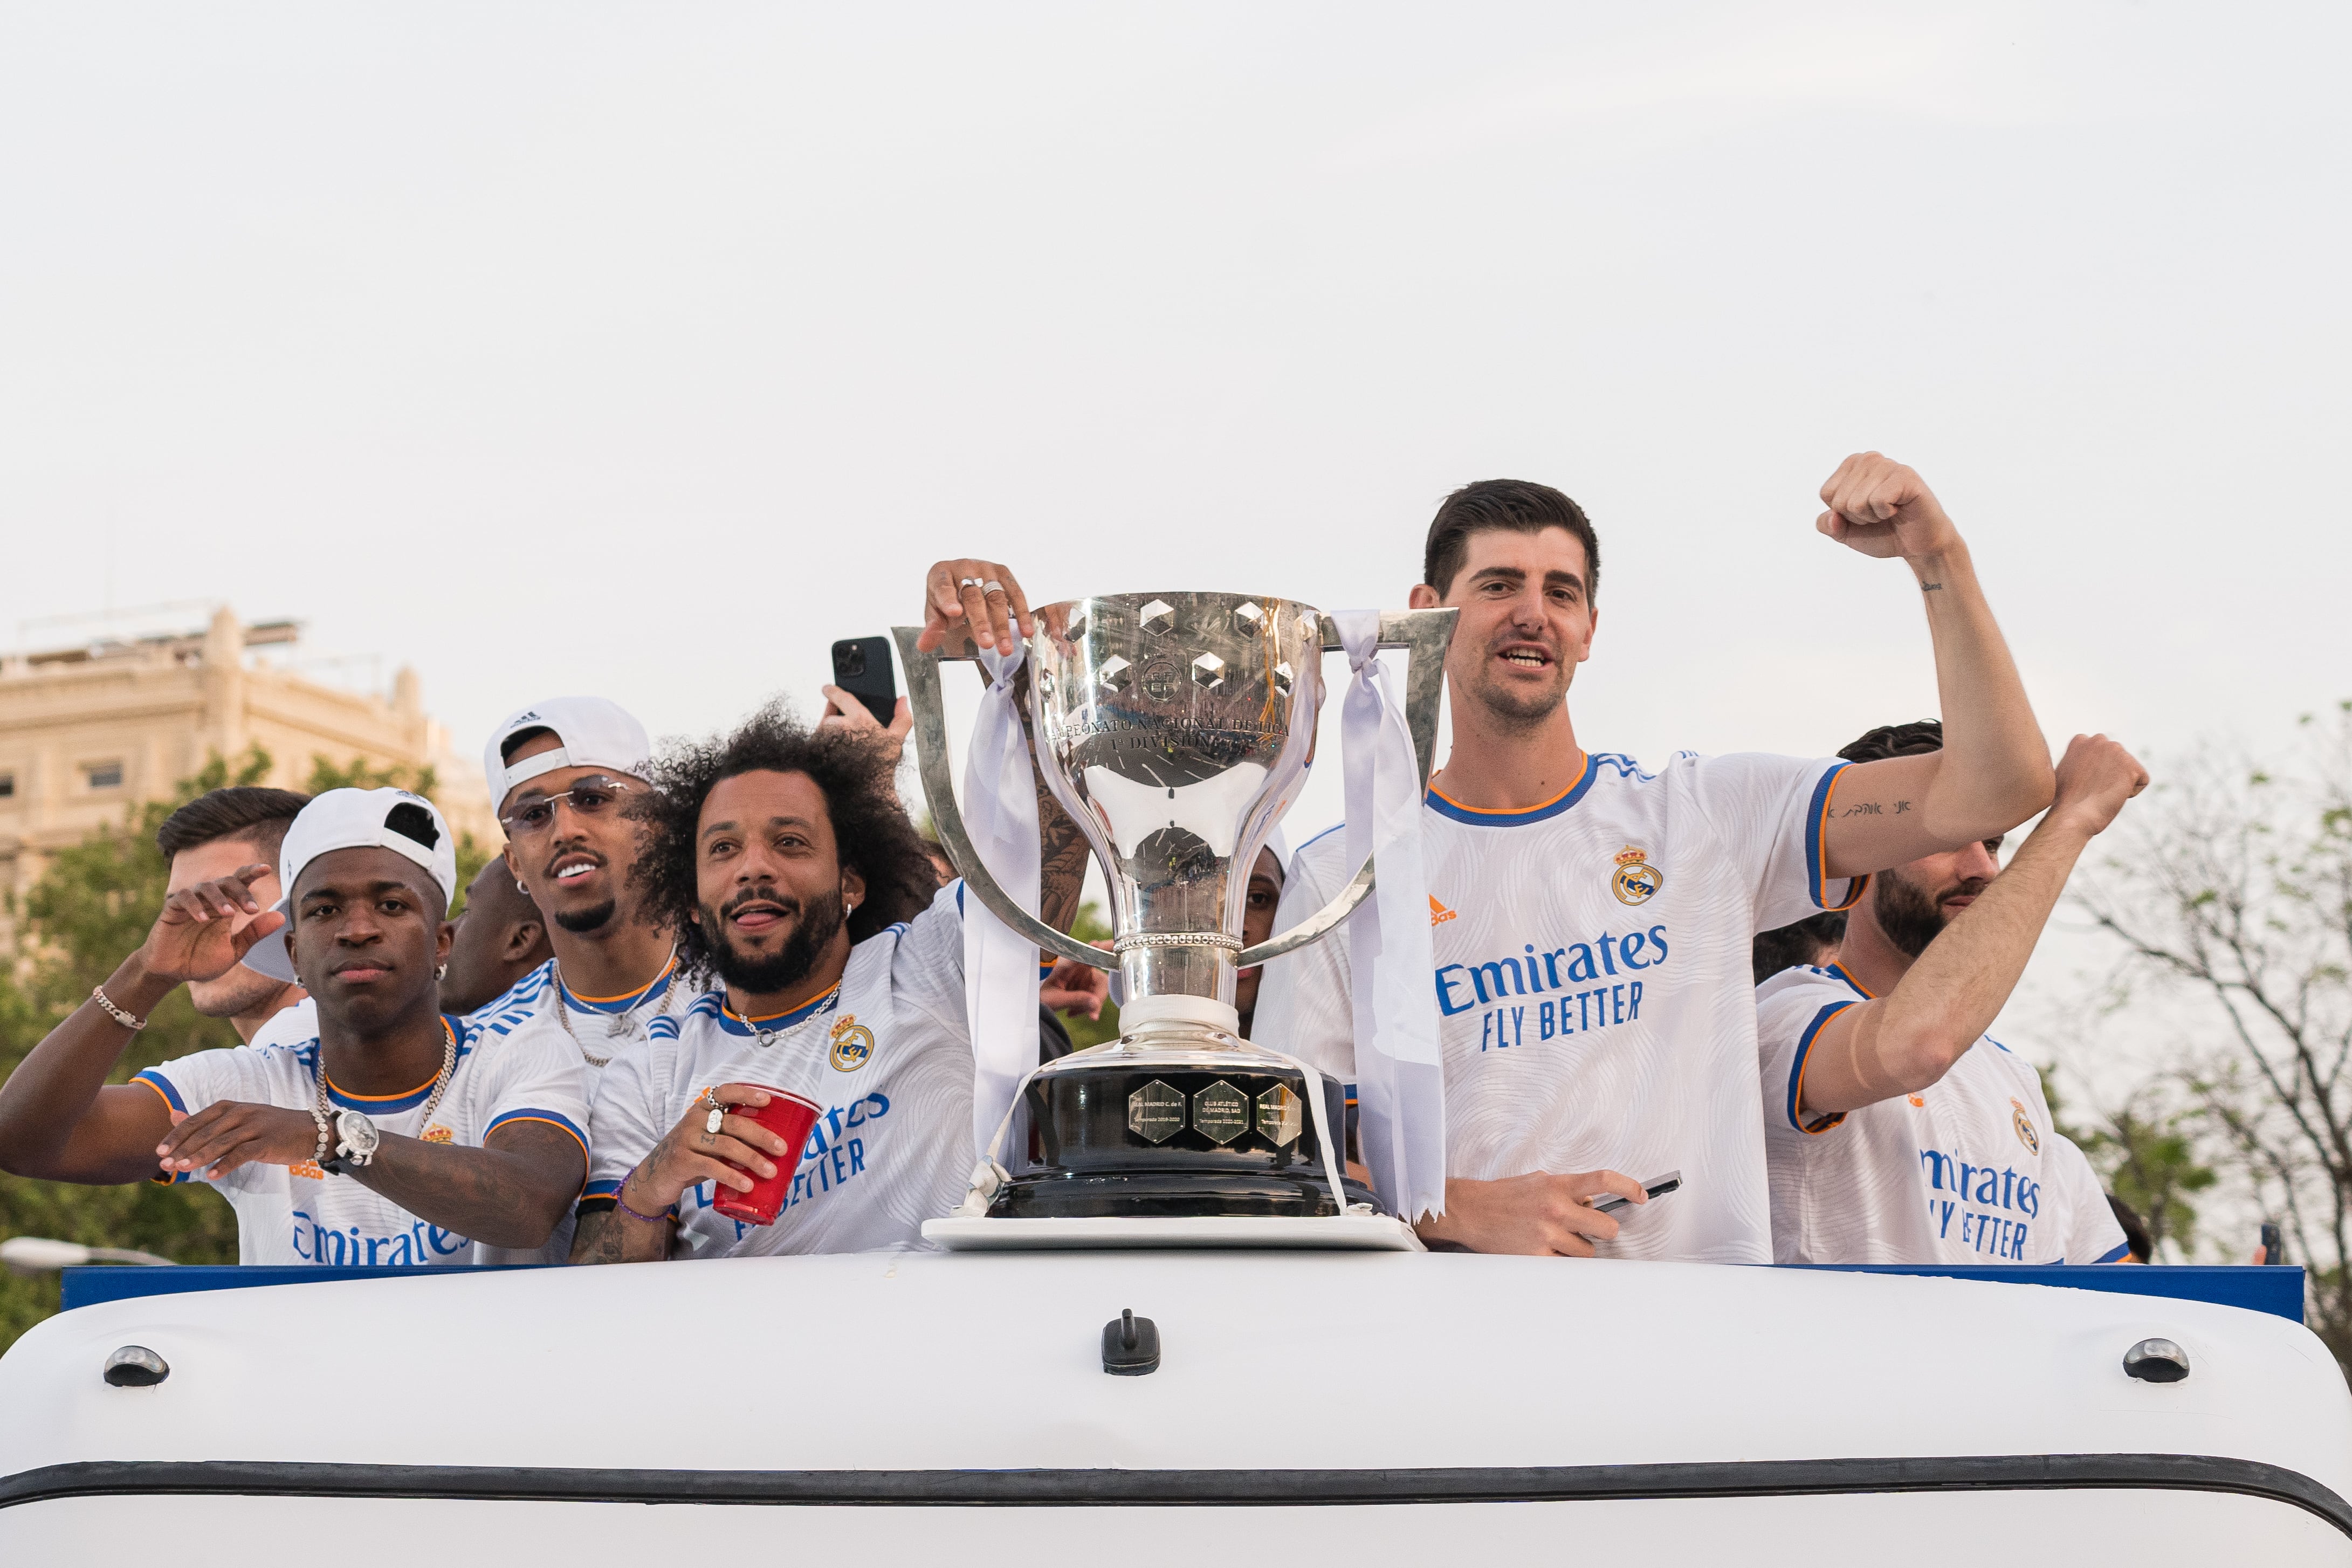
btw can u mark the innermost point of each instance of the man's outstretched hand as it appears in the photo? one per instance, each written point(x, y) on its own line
point(192, 940)
point(1881, 508)
point(972, 599)
point(1538, 1213)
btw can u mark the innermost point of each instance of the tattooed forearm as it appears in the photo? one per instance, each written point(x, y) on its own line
point(1061, 861)
point(511, 1195)
point(597, 1238)
point(1931, 588)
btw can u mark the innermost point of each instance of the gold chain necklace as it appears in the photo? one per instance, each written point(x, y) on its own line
point(432, 1102)
point(623, 1023)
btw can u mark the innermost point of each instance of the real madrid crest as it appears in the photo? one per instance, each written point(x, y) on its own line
point(853, 1044)
point(2024, 1125)
point(1636, 878)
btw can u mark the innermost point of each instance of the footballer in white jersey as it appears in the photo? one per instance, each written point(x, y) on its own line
point(511, 1069)
point(1965, 1170)
point(1592, 923)
point(885, 1053)
point(598, 1030)
point(1591, 980)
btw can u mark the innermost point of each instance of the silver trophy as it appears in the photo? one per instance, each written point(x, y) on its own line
point(1176, 729)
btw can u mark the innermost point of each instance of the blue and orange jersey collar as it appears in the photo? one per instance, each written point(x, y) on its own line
point(1445, 805)
point(775, 1023)
point(393, 1104)
point(621, 1003)
point(1845, 974)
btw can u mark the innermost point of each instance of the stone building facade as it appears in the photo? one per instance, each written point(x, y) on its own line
point(89, 735)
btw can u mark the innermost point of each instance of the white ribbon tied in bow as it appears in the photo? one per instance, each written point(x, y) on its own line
point(1400, 1077)
point(1000, 965)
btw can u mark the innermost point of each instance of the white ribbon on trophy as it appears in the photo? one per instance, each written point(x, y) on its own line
point(999, 966)
point(1400, 1076)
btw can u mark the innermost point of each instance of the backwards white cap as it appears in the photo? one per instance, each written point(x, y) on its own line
point(392, 819)
point(593, 732)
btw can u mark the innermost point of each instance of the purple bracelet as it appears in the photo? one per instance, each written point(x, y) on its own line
point(623, 1204)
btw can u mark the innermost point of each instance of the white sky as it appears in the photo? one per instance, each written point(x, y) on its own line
point(648, 350)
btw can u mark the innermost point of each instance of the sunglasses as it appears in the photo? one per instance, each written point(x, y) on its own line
point(591, 796)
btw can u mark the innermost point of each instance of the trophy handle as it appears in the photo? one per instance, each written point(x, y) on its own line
point(947, 818)
point(1427, 634)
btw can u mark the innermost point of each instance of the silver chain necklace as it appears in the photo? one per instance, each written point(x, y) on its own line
point(624, 1024)
point(432, 1102)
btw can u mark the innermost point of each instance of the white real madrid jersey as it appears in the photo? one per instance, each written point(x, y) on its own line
point(598, 1028)
point(885, 1053)
point(1969, 1170)
point(509, 1068)
point(1593, 980)
point(288, 1025)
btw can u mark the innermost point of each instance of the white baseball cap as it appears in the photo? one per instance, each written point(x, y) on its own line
point(593, 732)
point(392, 819)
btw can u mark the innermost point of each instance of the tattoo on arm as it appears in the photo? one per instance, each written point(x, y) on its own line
point(1931, 588)
point(509, 1194)
point(598, 1238)
point(1901, 806)
point(1869, 808)
point(1063, 871)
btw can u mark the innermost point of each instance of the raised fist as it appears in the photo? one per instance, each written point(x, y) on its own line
point(1881, 508)
point(2094, 778)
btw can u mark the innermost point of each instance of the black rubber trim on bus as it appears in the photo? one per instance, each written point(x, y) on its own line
point(1165, 1488)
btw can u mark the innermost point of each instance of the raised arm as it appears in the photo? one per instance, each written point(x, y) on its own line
point(1993, 772)
point(958, 595)
point(60, 1119)
point(1908, 1038)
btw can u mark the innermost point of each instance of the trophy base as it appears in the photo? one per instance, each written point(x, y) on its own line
point(1330, 1232)
point(1300, 1192)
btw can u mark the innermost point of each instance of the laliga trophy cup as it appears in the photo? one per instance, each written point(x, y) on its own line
point(1175, 729)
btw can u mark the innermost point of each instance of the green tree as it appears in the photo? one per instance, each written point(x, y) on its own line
point(1091, 926)
point(2230, 892)
point(2147, 1154)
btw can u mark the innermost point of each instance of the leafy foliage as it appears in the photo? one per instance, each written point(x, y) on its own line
point(2232, 899)
point(92, 906)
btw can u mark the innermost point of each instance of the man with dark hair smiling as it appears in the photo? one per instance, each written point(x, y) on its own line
point(1897, 1129)
point(1591, 921)
point(396, 1136)
point(562, 773)
point(209, 838)
point(792, 876)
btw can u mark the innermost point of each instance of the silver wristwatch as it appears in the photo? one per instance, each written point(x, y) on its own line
point(355, 1143)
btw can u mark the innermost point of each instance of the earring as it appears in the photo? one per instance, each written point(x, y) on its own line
point(441, 973)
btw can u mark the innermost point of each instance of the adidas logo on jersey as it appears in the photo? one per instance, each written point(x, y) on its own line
point(1438, 913)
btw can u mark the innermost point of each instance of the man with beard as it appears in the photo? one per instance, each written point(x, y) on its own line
point(495, 944)
point(209, 838)
point(791, 875)
point(1897, 1129)
point(395, 1136)
point(564, 772)
point(1591, 921)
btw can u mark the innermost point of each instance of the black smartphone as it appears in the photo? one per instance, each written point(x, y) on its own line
point(2274, 1243)
point(1656, 1186)
point(861, 667)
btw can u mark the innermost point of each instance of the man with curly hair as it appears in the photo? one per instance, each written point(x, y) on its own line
point(800, 892)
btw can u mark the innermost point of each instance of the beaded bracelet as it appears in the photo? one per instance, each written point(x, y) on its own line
point(622, 1202)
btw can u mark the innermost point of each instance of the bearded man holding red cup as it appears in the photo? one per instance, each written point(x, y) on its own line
point(817, 1097)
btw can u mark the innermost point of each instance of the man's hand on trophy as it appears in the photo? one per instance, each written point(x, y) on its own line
point(1538, 1214)
point(972, 599)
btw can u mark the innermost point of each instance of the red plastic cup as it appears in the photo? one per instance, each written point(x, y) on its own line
point(790, 1117)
